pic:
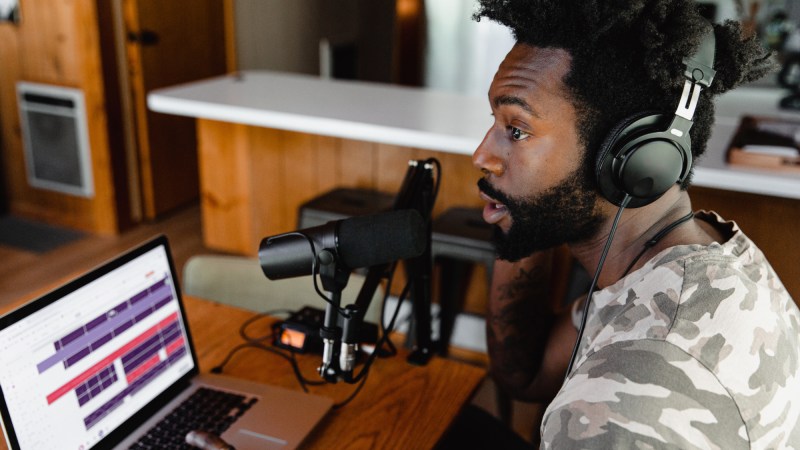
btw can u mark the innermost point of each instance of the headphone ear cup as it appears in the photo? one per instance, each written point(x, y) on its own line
point(642, 160)
point(606, 180)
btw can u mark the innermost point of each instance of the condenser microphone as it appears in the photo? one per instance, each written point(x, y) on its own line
point(356, 242)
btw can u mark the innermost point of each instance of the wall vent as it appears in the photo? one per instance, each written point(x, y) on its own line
point(55, 138)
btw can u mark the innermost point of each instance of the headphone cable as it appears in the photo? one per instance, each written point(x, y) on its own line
point(597, 271)
point(658, 236)
point(647, 245)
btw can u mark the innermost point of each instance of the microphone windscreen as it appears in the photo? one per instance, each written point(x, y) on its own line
point(367, 241)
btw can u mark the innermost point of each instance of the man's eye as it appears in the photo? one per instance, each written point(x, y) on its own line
point(518, 134)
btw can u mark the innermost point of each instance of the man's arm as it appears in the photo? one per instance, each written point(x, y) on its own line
point(529, 346)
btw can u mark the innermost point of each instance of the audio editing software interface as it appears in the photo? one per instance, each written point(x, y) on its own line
point(75, 370)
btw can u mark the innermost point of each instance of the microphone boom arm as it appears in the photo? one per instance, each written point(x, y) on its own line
point(416, 192)
point(375, 242)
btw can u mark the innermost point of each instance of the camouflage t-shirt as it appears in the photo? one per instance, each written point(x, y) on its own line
point(700, 348)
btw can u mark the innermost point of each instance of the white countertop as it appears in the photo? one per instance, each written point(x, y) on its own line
point(388, 114)
point(427, 119)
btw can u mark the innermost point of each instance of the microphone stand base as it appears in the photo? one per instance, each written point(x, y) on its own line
point(419, 357)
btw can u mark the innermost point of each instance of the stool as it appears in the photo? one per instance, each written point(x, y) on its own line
point(341, 203)
point(459, 239)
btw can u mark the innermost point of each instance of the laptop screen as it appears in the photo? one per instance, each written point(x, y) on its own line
point(77, 363)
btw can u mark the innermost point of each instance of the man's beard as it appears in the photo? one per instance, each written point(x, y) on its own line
point(564, 213)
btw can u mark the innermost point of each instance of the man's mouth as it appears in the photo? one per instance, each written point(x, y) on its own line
point(493, 211)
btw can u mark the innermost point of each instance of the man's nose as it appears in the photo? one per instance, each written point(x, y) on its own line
point(485, 159)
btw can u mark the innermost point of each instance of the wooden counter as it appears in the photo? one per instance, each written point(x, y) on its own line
point(270, 141)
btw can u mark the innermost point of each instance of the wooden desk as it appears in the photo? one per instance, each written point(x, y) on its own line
point(401, 406)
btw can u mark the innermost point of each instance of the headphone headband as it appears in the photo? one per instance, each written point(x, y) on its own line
point(646, 154)
point(699, 74)
point(700, 65)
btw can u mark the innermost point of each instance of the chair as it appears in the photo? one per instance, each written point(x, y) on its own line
point(239, 281)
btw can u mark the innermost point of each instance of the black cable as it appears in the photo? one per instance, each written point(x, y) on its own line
point(387, 330)
point(299, 375)
point(389, 278)
point(603, 255)
point(315, 272)
point(658, 236)
point(361, 377)
point(438, 166)
point(292, 361)
point(384, 337)
point(258, 343)
point(250, 321)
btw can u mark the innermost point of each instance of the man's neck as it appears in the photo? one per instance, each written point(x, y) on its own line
point(635, 228)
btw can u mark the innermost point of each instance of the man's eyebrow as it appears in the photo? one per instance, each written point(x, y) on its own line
point(517, 101)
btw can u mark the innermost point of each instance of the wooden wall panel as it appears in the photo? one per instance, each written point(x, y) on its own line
point(10, 140)
point(229, 16)
point(285, 169)
point(225, 185)
point(299, 174)
point(358, 164)
point(58, 43)
point(459, 182)
point(50, 40)
point(458, 174)
point(103, 207)
point(771, 222)
point(188, 44)
point(269, 202)
point(328, 154)
point(254, 180)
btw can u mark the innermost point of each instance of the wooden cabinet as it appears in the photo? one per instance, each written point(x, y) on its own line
point(114, 51)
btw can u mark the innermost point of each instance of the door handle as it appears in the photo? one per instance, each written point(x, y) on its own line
point(143, 37)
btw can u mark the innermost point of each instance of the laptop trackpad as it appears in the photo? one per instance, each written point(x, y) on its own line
point(243, 438)
point(280, 419)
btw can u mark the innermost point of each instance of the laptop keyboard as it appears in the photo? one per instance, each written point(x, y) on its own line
point(206, 409)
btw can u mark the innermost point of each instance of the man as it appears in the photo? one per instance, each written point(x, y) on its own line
point(691, 340)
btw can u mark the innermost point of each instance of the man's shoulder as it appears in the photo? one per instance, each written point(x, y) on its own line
point(712, 342)
point(652, 393)
point(643, 392)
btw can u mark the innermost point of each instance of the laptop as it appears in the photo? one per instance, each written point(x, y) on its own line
point(99, 361)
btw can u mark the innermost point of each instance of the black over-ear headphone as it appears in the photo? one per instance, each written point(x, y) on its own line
point(644, 155)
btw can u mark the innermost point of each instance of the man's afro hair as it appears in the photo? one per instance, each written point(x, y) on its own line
point(627, 56)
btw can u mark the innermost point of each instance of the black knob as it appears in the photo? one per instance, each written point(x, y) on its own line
point(143, 37)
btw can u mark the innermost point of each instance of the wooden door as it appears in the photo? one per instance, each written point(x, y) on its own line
point(168, 43)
